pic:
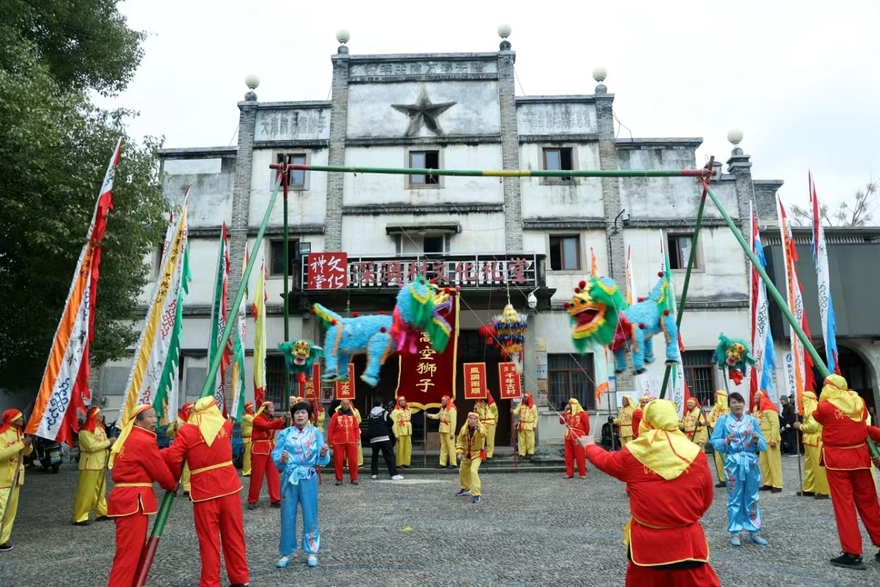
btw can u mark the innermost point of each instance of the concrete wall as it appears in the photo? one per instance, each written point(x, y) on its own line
point(552, 198)
point(476, 109)
point(365, 235)
point(559, 118)
point(293, 124)
point(305, 206)
point(210, 198)
point(394, 189)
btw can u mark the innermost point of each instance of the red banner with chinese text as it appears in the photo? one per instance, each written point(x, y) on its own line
point(475, 381)
point(345, 389)
point(309, 388)
point(328, 271)
point(508, 378)
point(425, 377)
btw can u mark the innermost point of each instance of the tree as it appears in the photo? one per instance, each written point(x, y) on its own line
point(54, 149)
point(859, 212)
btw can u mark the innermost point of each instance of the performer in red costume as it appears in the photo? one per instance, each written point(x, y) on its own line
point(577, 424)
point(344, 435)
point(136, 464)
point(206, 444)
point(670, 488)
point(845, 431)
point(638, 414)
point(262, 443)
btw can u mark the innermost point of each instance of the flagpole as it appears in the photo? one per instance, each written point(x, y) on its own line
point(777, 297)
point(690, 266)
point(149, 553)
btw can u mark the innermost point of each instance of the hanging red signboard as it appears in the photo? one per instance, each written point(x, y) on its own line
point(511, 386)
point(345, 389)
point(308, 389)
point(475, 381)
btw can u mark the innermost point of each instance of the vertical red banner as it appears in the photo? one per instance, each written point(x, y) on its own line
point(309, 388)
point(426, 376)
point(328, 271)
point(345, 389)
point(511, 386)
point(475, 381)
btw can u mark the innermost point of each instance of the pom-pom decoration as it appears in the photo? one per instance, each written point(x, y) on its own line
point(506, 331)
point(733, 356)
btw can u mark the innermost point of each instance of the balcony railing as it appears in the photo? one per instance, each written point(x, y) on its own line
point(474, 271)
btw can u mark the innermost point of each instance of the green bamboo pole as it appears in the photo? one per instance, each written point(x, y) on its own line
point(692, 258)
point(702, 173)
point(777, 297)
point(149, 552)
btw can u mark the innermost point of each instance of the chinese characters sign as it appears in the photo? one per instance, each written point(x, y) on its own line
point(345, 389)
point(327, 270)
point(309, 388)
point(464, 271)
point(509, 381)
point(475, 381)
point(426, 376)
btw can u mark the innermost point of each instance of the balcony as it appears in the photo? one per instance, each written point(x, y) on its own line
point(478, 275)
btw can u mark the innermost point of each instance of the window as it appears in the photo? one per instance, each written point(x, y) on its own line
point(565, 253)
point(569, 377)
point(195, 381)
point(296, 178)
point(424, 160)
point(558, 159)
point(699, 372)
point(413, 244)
point(277, 256)
point(114, 381)
point(680, 251)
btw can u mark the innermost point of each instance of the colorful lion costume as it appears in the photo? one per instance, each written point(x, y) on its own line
point(600, 316)
point(380, 336)
point(300, 357)
point(734, 356)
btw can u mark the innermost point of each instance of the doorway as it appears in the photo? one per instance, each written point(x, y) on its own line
point(473, 349)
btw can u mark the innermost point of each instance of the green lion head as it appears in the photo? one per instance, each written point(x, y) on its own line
point(594, 312)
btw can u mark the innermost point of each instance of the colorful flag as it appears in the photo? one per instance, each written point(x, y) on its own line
point(679, 392)
point(238, 376)
point(826, 307)
point(167, 399)
point(260, 298)
point(65, 385)
point(762, 374)
point(218, 319)
point(630, 279)
point(152, 352)
point(594, 263)
point(801, 363)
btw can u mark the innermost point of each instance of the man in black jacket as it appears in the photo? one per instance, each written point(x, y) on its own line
point(380, 440)
point(786, 426)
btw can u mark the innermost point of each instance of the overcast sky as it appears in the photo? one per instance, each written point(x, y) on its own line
point(800, 78)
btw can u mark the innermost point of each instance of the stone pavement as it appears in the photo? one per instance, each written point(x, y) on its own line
point(531, 529)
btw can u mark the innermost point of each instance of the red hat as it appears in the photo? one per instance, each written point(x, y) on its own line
point(8, 417)
point(91, 419)
point(183, 413)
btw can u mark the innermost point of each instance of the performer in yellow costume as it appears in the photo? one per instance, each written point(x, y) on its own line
point(357, 416)
point(770, 460)
point(91, 489)
point(527, 413)
point(815, 476)
point(247, 430)
point(401, 415)
point(694, 423)
point(171, 431)
point(13, 445)
point(488, 411)
point(624, 420)
point(719, 409)
point(470, 449)
point(447, 415)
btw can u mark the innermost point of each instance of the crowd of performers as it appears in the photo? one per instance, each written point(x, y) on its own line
point(664, 539)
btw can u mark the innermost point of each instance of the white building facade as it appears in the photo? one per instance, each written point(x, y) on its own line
point(494, 237)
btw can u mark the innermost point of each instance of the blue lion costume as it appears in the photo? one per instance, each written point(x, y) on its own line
point(381, 335)
point(600, 316)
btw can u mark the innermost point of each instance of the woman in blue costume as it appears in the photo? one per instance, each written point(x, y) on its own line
point(298, 450)
point(738, 437)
